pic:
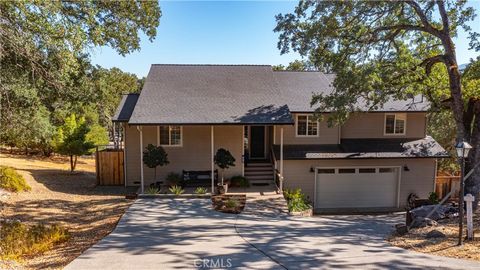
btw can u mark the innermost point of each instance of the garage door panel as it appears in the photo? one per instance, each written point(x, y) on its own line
point(356, 190)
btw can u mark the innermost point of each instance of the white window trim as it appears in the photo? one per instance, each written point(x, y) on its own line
point(394, 124)
point(170, 136)
point(305, 136)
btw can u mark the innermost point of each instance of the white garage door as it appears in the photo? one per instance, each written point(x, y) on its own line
point(356, 187)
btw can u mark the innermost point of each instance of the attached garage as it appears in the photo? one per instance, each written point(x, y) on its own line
point(357, 187)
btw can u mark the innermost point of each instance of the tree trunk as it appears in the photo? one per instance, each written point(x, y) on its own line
point(74, 163)
point(71, 164)
point(472, 184)
point(223, 171)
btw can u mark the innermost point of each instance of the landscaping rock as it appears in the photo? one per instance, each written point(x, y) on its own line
point(440, 212)
point(420, 222)
point(435, 234)
point(401, 229)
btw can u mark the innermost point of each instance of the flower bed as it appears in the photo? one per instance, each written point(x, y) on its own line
point(232, 204)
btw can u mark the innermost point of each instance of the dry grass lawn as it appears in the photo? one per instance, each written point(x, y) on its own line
point(415, 240)
point(70, 199)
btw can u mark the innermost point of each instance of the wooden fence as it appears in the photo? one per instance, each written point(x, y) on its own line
point(444, 184)
point(109, 167)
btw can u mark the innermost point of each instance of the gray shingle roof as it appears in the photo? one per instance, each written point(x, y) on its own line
point(231, 94)
point(125, 108)
point(365, 148)
point(298, 87)
point(210, 94)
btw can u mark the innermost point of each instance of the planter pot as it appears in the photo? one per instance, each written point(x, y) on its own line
point(222, 189)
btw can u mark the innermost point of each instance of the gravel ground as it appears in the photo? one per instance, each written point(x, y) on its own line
point(70, 199)
point(416, 240)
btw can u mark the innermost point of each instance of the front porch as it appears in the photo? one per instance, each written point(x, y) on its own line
point(193, 148)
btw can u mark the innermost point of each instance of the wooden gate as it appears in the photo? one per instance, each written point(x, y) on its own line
point(109, 167)
point(445, 183)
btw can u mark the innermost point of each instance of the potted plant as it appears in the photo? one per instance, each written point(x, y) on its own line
point(224, 160)
point(154, 156)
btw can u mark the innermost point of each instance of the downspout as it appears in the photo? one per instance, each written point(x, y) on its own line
point(139, 128)
point(124, 137)
point(281, 159)
point(213, 158)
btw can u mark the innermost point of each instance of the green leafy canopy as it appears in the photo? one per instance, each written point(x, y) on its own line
point(379, 50)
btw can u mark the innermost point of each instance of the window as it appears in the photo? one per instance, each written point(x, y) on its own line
point(170, 135)
point(366, 170)
point(395, 124)
point(349, 170)
point(326, 171)
point(386, 170)
point(306, 125)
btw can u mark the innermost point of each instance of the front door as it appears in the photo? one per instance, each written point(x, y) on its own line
point(257, 142)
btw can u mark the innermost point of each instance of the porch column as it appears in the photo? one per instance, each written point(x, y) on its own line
point(281, 158)
point(213, 158)
point(139, 128)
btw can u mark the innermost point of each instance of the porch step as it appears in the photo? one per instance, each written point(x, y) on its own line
point(259, 173)
point(259, 164)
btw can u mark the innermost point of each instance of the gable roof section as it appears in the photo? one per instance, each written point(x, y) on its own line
point(125, 108)
point(210, 94)
point(298, 87)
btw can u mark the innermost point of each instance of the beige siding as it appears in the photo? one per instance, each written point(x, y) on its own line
point(419, 179)
point(371, 125)
point(194, 154)
point(326, 135)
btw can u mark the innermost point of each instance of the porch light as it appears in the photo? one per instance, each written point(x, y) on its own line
point(462, 149)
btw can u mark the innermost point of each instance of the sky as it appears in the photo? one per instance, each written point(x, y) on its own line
point(222, 32)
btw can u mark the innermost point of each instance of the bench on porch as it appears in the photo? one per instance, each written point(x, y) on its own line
point(199, 178)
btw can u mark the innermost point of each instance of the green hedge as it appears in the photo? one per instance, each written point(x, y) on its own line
point(11, 180)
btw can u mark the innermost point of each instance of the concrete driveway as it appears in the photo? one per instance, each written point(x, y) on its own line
point(187, 234)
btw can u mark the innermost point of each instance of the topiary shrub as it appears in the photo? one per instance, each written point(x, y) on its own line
point(11, 180)
point(224, 159)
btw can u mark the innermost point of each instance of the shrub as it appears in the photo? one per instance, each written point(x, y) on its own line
point(433, 198)
point(200, 190)
point(174, 179)
point(239, 181)
point(296, 200)
point(11, 180)
point(152, 190)
point(177, 190)
point(231, 203)
point(20, 240)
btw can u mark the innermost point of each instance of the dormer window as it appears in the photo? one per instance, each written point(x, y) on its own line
point(395, 123)
point(306, 126)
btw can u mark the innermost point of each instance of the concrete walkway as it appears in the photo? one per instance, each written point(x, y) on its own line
point(187, 234)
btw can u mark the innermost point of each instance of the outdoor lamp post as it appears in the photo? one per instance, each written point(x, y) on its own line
point(462, 152)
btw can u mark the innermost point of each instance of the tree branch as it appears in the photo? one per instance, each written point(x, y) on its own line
point(443, 14)
point(430, 62)
point(423, 18)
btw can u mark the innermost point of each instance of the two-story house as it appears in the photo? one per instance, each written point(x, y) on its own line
point(264, 118)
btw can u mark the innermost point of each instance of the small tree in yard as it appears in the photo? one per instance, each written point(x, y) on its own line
point(76, 138)
point(154, 156)
point(224, 160)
